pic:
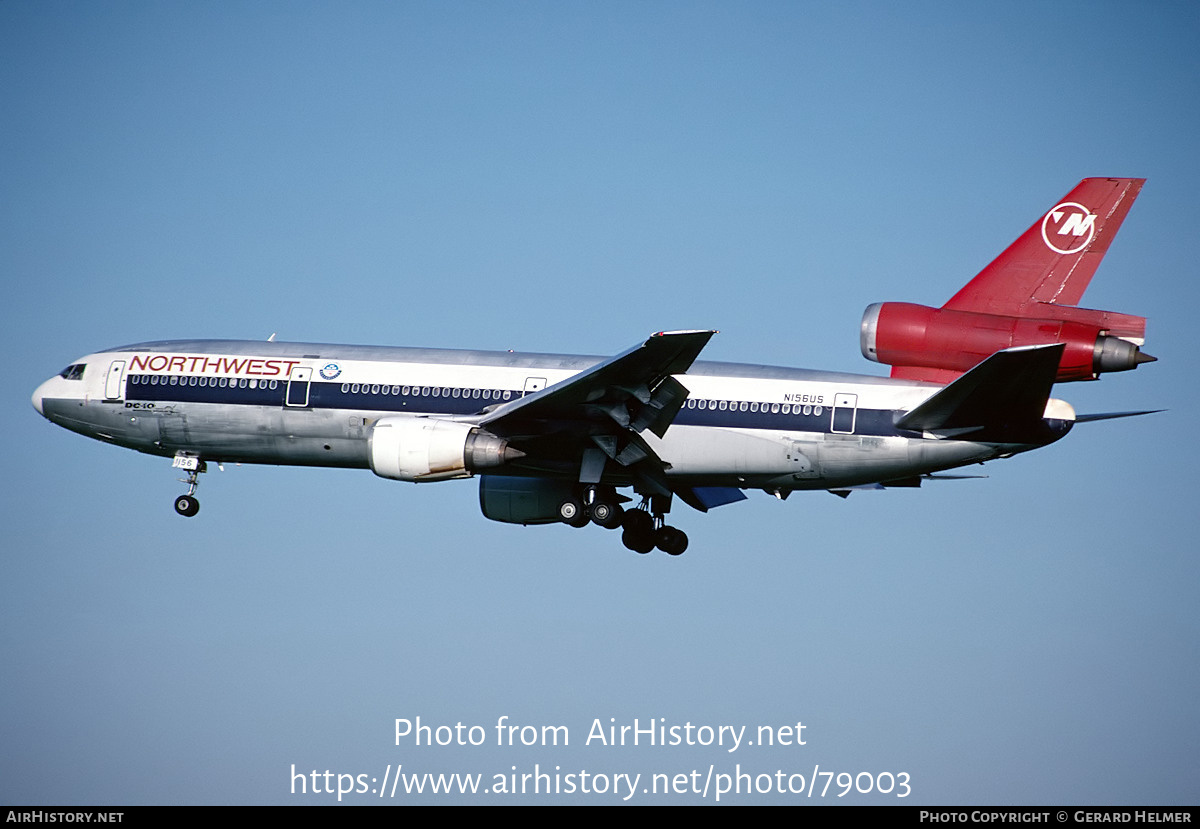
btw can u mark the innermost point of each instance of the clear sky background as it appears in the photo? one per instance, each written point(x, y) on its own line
point(572, 177)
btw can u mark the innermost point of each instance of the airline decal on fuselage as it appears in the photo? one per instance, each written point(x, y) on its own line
point(218, 366)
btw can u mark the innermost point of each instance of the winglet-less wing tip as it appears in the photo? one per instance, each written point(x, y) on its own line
point(688, 331)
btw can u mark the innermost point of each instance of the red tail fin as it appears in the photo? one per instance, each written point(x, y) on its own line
point(1055, 259)
point(1027, 296)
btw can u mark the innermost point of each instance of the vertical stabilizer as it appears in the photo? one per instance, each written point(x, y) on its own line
point(1055, 259)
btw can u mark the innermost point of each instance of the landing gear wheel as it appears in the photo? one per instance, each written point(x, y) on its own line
point(187, 506)
point(638, 521)
point(638, 542)
point(607, 515)
point(571, 512)
point(671, 540)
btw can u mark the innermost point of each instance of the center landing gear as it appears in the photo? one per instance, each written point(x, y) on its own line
point(188, 505)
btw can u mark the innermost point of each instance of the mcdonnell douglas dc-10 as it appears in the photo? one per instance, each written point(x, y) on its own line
point(554, 437)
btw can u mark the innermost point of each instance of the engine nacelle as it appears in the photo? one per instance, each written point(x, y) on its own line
point(523, 500)
point(903, 334)
point(427, 449)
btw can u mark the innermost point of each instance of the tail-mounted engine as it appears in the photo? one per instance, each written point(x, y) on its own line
point(908, 336)
point(427, 449)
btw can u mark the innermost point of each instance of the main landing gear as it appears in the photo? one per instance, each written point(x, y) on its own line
point(596, 505)
point(188, 505)
point(642, 531)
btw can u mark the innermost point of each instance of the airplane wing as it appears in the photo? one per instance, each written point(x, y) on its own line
point(599, 414)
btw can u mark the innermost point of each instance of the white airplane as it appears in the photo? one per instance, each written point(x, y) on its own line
point(553, 437)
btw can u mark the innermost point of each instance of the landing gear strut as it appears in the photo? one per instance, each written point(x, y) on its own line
point(188, 505)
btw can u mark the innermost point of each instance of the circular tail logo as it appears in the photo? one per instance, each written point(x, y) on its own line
point(1068, 228)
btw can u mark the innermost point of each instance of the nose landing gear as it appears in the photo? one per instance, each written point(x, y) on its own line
point(188, 505)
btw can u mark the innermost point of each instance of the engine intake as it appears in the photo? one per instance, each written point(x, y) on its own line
point(427, 449)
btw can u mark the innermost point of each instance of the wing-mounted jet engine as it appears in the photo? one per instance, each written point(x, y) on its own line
point(1025, 297)
point(408, 448)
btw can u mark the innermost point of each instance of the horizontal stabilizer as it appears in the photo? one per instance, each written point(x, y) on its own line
point(913, 482)
point(1088, 418)
point(1006, 393)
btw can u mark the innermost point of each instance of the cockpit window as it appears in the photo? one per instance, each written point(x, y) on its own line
point(74, 372)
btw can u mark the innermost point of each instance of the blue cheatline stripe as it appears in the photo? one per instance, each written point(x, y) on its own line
point(139, 388)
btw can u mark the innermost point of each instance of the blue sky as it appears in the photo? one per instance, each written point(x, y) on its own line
point(571, 177)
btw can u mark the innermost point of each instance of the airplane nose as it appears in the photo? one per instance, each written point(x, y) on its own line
point(38, 394)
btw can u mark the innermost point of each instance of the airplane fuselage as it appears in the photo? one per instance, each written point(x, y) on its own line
point(742, 426)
